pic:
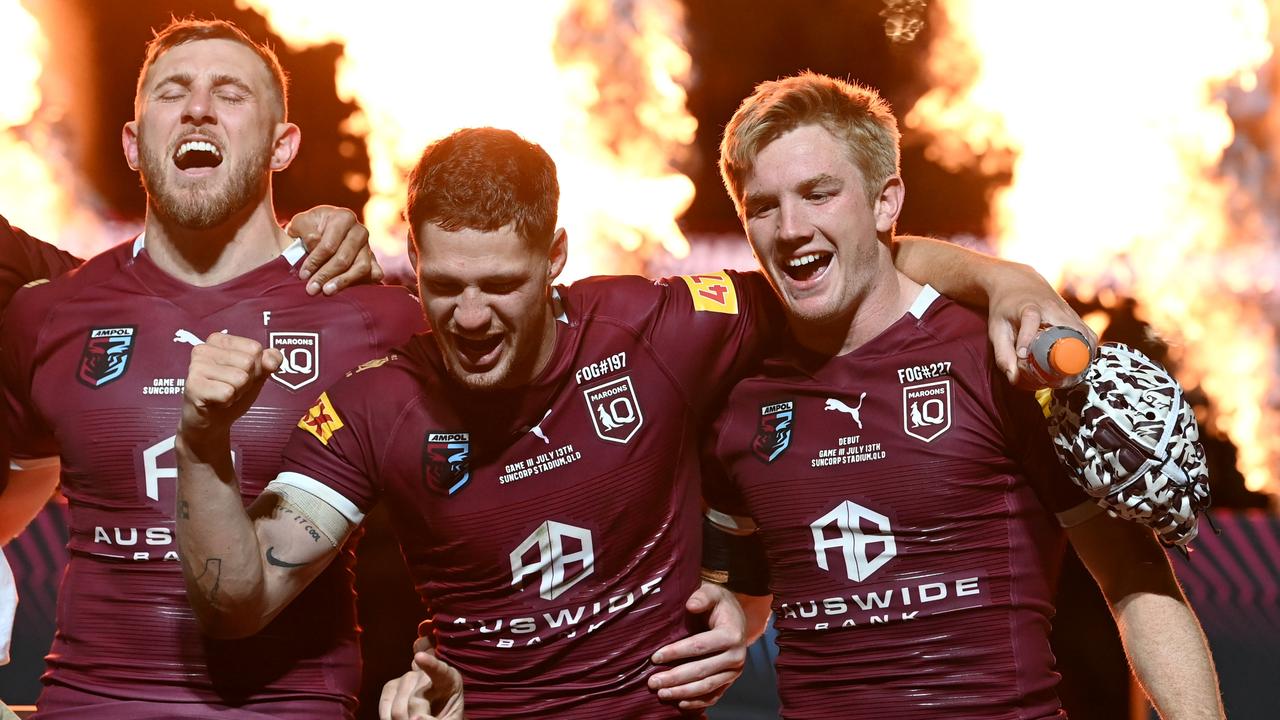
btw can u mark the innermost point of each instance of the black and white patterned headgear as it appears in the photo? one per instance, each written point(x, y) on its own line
point(1129, 438)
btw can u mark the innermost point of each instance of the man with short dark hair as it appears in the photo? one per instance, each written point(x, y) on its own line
point(93, 364)
point(539, 450)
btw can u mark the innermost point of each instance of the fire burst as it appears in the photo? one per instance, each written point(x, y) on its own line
point(600, 85)
point(1110, 118)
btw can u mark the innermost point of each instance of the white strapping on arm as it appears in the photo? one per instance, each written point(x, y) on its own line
point(331, 513)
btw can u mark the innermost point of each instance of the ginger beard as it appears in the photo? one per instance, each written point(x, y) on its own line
point(205, 202)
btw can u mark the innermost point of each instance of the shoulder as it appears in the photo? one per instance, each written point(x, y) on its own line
point(950, 322)
point(722, 292)
point(38, 298)
point(378, 387)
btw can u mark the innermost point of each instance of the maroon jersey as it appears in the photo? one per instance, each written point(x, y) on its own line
point(552, 531)
point(24, 258)
point(903, 495)
point(93, 365)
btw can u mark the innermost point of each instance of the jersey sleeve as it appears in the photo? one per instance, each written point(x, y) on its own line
point(394, 317)
point(717, 326)
point(1027, 434)
point(24, 259)
point(29, 436)
point(334, 451)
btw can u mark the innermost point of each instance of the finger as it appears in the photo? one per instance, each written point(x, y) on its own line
point(1002, 343)
point(1028, 326)
point(376, 273)
point(704, 701)
point(696, 646)
point(347, 251)
point(387, 698)
point(332, 226)
point(699, 602)
point(269, 361)
point(704, 683)
point(404, 706)
point(360, 271)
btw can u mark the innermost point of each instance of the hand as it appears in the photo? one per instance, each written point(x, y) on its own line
point(1019, 303)
point(224, 379)
point(432, 690)
point(338, 249)
point(715, 657)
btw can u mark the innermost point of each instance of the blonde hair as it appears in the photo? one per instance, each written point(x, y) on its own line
point(851, 112)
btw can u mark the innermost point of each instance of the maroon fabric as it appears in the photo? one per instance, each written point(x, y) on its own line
point(93, 365)
point(556, 566)
point(24, 258)
point(925, 488)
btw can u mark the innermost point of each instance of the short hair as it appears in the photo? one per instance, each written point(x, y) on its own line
point(484, 179)
point(851, 112)
point(189, 30)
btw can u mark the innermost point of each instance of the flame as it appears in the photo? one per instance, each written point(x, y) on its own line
point(27, 183)
point(39, 189)
point(1111, 118)
point(599, 85)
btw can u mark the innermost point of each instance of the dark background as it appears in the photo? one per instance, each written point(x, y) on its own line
point(734, 44)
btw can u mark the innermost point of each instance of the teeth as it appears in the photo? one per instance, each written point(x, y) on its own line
point(804, 260)
point(190, 145)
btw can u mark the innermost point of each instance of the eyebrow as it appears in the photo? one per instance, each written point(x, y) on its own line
point(187, 80)
point(803, 187)
point(811, 184)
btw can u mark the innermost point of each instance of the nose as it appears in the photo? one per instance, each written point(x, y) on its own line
point(793, 223)
point(472, 315)
point(199, 107)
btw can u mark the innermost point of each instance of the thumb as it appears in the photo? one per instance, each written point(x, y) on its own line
point(699, 602)
point(270, 361)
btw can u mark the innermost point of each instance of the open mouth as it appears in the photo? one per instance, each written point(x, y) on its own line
point(478, 352)
point(195, 154)
point(807, 267)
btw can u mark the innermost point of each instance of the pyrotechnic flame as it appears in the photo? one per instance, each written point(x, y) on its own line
point(1110, 118)
point(599, 85)
point(38, 186)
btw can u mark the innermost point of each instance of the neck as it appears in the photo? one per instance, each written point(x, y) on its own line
point(215, 255)
point(884, 300)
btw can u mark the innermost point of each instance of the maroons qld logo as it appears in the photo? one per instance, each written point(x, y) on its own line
point(106, 355)
point(614, 409)
point(926, 409)
point(301, 351)
point(446, 461)
point(773, 434)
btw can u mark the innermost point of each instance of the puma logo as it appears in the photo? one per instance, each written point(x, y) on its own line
point(537, 429)
point(853, 412)
point(188, 337)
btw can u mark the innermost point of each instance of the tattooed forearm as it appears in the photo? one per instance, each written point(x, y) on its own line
point(213, 572)
point(271, 558)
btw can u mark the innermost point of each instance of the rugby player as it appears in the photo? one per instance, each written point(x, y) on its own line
point(538, 450)
point(907, 499)
point(93, 365)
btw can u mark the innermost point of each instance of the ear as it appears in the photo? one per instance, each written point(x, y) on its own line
point(288, 138)
point(129, 140)
point(413, 256)
point(889, 203)
point(558, 254)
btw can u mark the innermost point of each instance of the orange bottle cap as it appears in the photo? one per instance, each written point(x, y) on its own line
point(1069, 356)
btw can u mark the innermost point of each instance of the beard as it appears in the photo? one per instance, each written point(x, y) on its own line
point(201, 206)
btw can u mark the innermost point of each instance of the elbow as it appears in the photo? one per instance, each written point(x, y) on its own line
point(222, 626)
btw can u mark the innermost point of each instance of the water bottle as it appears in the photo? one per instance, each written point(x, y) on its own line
point(1058, 357)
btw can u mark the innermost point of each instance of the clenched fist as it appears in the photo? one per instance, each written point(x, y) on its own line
point(224, 379)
